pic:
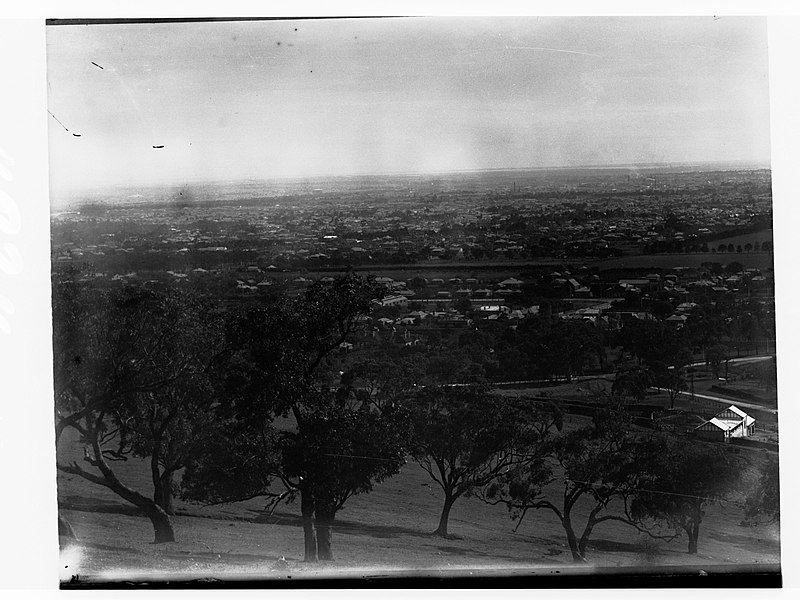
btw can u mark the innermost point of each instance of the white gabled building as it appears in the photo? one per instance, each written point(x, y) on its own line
point(732, 422)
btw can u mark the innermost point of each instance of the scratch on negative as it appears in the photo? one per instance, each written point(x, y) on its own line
point(551, 50)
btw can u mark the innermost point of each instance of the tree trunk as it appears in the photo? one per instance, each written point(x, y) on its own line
point(162, 526)
point(324, 539)
point(692, 545)
point(162, 482)
point(162, 494)
point(448, 504)
point(584, 541)
point(307, 512)
point(572, 541)
point(325, 514)
point(694, 532)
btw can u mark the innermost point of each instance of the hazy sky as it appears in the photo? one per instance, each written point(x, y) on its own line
point(326, 97)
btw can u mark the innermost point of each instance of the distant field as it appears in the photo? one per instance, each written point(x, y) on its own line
point(748, 238)
point(757, 260)
point(481, 273)
point(497, 271)
point(484, 270)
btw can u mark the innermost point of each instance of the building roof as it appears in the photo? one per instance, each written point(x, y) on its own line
point(717, 423)
point(748, 420)
point(724, 424)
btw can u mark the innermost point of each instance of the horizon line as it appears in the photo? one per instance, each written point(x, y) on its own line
point(752, 164)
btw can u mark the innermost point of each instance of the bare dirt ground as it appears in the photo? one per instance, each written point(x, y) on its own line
point(383, 532)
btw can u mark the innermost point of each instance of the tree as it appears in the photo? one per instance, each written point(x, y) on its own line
point(764, 500)
point(560, 347)
point(705, 326)
point(331, 445)
point(734, 267)
point(170, 425)
point(746, 325)
point(633, 383)
point(511, 364)
point(418, 282)
point(462, 305)
point(341, 452)
point(600, 465)
point(382, 381)
point(451, 366)
point(661, 309)
point(653, 342)
point(715, 355)
point(685, 478)
point(132, 376)
point(464, 437)
point(671, 378)
point(640, 337)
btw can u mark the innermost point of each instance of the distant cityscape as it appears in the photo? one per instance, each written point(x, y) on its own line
point(405, 229)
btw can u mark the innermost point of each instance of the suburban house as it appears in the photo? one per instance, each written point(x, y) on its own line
point(511, 282)
point(644, 285)
point(677, 320)
point(730, 423)
point(394, 300)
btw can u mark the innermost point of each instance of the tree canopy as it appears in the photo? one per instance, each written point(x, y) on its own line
point(322, 445)
point(686, 476)
point(599, 465)
point(133, 373)
point(466, 436)
point(559, 347)
point(764, 500)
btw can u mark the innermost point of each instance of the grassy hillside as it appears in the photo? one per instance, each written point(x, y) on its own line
point(387, 530)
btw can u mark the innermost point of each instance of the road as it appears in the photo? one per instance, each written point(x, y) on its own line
point(609, 377)
point(742, 360)
point(728, 401)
